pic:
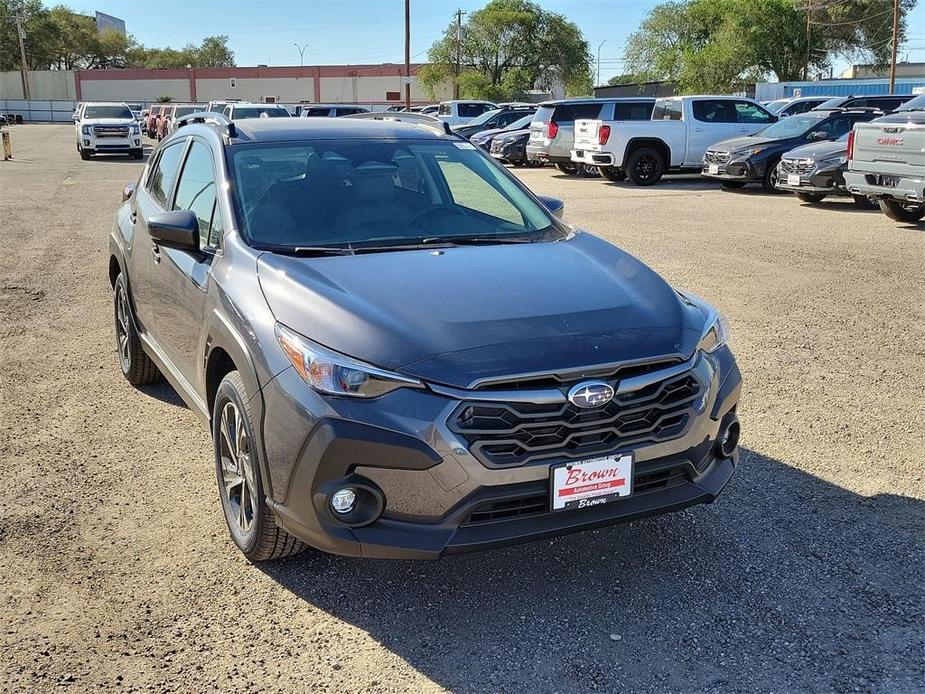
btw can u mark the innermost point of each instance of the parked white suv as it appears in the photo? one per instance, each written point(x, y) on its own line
point(460, 112)
point(107, 128)
point(681, 130)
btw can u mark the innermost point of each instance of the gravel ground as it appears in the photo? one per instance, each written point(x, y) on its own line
point(807, 575)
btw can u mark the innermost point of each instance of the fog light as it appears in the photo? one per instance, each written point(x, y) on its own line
point(728, 439)
point(343, 500)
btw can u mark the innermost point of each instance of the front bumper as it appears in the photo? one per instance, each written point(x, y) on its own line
point(592, 158)
point(741, 170)
point(828, 182)
point(513, 153)
point(906, 189)
point(111, 144)
point(439, 498)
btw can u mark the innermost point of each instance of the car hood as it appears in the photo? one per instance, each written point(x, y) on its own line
point(739, 143)
point(108, 121)
point(487, 134)
point(818, 150)
point(461, 314)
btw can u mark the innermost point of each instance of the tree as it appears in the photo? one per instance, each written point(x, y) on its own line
point(716, 45)
point(507, 48)
point(214, 52)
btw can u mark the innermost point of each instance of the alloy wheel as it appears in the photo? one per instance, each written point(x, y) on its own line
point(647, 167)
point(238, 481)
point(122, 330)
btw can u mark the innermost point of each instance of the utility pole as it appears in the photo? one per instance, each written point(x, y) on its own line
point(301, 50)
point(895, 46)
point(459, 35)
point(22, 56)
point(597, 82)
point(809, 36)
point(407, 55)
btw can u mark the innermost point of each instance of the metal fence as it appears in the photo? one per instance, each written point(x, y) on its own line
point(39, 110)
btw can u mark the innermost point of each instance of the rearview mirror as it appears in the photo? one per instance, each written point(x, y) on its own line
point(818, 135)
point(128, 190)
point(554, 205)
point(177, 229)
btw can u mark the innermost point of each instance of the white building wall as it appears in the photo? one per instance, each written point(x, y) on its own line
point(134, 90)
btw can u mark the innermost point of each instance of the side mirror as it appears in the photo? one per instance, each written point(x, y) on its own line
point(128, 190)
point(74, 117)
point(176, 229)
point(819, 135)
point(554, 205)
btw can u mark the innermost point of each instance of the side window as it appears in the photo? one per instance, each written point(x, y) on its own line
point(160, 182)
point(444, 110)
point(747, 112)
point(506, 119)
point(714, 111)
point(668, 109)
point(836, 127)
point(196, 189)
point(227, 111)
point(632, 111)
point(569, 113)
point(471, 110)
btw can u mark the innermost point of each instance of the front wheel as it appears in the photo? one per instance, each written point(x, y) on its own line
point(569, 169)
point(645, 166)
point(902, 212)
point(771, 177)
point(85, 155)
point(250, 520)
point(810, 197)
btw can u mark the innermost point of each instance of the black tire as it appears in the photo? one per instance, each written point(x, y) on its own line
point(138, 153)
point(612, 173)
point(588, 171)
point(85, 155)
point(770, 179)
point(810, 197)
point(732, 185)
point(136, 365)
point(645, 166)
point(569, 169)
point(251, 523)
point(902, 212)
point(864, 202)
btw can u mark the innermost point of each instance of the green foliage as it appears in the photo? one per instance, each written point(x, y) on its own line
point(61, 39)
point(716, 45)
point(626, 78)
point(507, 48)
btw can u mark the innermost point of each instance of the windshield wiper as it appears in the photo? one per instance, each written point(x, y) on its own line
point(306, 251)
point(473, 240)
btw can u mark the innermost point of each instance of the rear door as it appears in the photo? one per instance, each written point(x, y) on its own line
point(751, 117)
point(712, 120)
point(152, 198)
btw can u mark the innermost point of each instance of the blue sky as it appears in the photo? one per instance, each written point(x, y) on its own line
point(369, 31)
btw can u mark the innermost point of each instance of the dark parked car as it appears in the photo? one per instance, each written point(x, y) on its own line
point(484, 138)
point(754, 158)
point(816, 171)
point(878, 102)
point(493, 120)
point(400, 351)
point(784, 108)
point(511, 148)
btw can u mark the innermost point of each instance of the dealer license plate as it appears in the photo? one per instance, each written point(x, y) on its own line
point(793, 180)
point(889, 181)
point(714, 168)
point(594, 482)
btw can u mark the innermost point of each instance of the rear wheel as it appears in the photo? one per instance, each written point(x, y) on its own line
point(810, 197)
point(864, 202)
point(732, 185)
point(645, 166)
point(251, 522)
point(136, 365)
point(902, 212)
point(612, 173)
point(569, 169)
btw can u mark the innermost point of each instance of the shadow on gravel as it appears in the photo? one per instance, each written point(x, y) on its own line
point(164, 392)
point(786, 583)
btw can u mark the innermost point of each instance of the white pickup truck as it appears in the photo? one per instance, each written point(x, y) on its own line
point(681, 130)
point(886, 160)
point(107, 128)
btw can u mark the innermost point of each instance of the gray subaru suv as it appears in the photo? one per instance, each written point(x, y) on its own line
point(400, 351)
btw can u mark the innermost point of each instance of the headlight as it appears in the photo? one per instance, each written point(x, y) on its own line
point(134, 129)
point(832, 162)
point(336, 374)
point(85, 129)
point(715, 328)
point(749, 152)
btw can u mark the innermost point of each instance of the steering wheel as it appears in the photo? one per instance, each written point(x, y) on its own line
point(438, 211)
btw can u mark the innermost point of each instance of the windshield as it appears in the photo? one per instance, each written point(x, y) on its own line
point(485, 117)
point(258, 111)
point(347, 193)
point(185, 110)
point(521, 124)
point(776, 106)
point(794, 126)
point(108, 112)
point(830, 103)
point(916, 104)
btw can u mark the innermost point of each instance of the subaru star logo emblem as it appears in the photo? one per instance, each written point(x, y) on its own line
point(590, 394)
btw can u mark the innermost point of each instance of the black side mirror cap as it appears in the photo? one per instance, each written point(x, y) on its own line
point(554, 205)
point(128, 190)
point(176, 229)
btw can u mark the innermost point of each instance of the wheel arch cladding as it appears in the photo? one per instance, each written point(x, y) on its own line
point(115, 268)
point(654, 143)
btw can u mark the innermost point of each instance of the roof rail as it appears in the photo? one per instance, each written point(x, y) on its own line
point(209, 118)
point(406, 117)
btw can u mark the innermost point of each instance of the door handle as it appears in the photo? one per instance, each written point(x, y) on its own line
point(156, 252)
point(133, 215)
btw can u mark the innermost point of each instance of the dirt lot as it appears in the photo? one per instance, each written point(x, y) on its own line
point(807, 575)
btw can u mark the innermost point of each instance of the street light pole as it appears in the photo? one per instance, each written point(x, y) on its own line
point(301, 50)
point(597, 83)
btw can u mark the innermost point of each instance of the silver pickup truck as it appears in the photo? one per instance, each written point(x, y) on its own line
point(886, 161)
